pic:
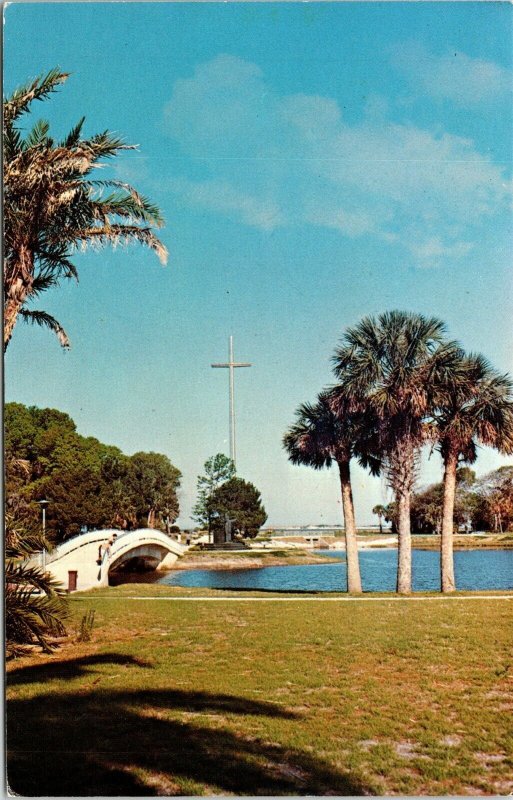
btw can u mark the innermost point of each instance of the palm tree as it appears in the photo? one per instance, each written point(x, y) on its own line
point(35, 608)
point(477, 409)
point(52, 206)
point(319, 437)
point(380, 511)
point(392, 365)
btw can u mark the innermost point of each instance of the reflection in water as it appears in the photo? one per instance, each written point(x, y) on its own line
point(475, 570)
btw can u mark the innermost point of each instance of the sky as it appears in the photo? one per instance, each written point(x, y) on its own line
point(315, 163)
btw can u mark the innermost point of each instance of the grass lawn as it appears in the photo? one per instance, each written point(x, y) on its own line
point(181, 697)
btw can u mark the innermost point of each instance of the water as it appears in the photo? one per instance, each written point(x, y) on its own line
point(475, 570)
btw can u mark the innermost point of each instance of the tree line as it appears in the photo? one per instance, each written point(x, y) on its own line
point(480, 504)
point(402, 384)
point(88, 483)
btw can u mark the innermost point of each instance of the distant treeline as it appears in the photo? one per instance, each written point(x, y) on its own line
point(87, 483)
point(480, 503)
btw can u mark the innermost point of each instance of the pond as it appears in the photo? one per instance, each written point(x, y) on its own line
point(475, 570)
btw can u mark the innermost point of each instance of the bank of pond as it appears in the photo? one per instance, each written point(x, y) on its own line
point(476, 570)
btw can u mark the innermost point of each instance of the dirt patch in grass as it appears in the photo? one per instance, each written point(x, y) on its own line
point(452, 740)
point(367, 744)
point(487, 759)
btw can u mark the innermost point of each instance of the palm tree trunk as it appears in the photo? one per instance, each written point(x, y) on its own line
point(404, 543)
point(18, 279)
point(11, 310)
point(446, 544)
point(354, 582)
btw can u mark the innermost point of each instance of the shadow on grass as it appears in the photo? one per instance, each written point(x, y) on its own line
point(70, 668)
point(99, 741)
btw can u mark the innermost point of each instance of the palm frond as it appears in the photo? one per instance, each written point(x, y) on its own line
point(126, 205)
point(38, 136)
point(41, 87)
point(475, 406)
point(122, 234)
point(45, 320)
point(43, 282)
point(73, 137)
point(107, 144)
point(54, 265)
point(35, 607)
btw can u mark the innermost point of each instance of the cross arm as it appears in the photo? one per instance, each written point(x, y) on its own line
point(234, 364)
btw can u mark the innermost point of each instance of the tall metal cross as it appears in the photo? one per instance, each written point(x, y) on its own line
point(231, 365)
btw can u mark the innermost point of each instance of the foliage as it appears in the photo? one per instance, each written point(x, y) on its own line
point(86, 626)
point(392, 365)
point(240, 501)
point(218, 469)
point(152, 484)
point(381, 512)
point(87, 482)
point(465, 476)
point(426, 510)
point(322, 435)
point(480, 504)
point(494, 509)
point(474, 407)
point(391, 515)
point(35, 609)
point(53, 206)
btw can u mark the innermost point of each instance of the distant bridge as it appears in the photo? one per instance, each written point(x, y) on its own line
point(85, 561)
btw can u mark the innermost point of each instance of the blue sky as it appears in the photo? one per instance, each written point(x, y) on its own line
point(315, 162)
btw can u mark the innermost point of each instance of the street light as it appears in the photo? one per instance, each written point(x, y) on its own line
point(44, 506)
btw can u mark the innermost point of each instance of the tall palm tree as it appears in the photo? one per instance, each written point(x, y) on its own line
point(391, 365)
point(52, 206)
point(477, 409)
point(317, 439)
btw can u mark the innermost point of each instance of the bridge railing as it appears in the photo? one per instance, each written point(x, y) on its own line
point(79, 541)
point(102, 536)
point(144, 535)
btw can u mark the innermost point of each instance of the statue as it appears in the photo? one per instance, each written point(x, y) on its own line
point(228, 527)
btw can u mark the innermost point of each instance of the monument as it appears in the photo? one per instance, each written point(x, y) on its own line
point(224, 533)
point(231, 366)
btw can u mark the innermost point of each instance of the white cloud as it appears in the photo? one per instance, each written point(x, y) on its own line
point(216, 195)
point(270, 160)
point(468, 82)
point(434, 249)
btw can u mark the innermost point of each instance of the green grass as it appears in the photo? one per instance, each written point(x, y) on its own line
point(465, 542)
point(302, 697)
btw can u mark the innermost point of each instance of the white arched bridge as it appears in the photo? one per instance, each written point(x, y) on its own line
point(85, 561)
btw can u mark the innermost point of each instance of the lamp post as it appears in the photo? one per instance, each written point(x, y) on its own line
point(44, 506)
